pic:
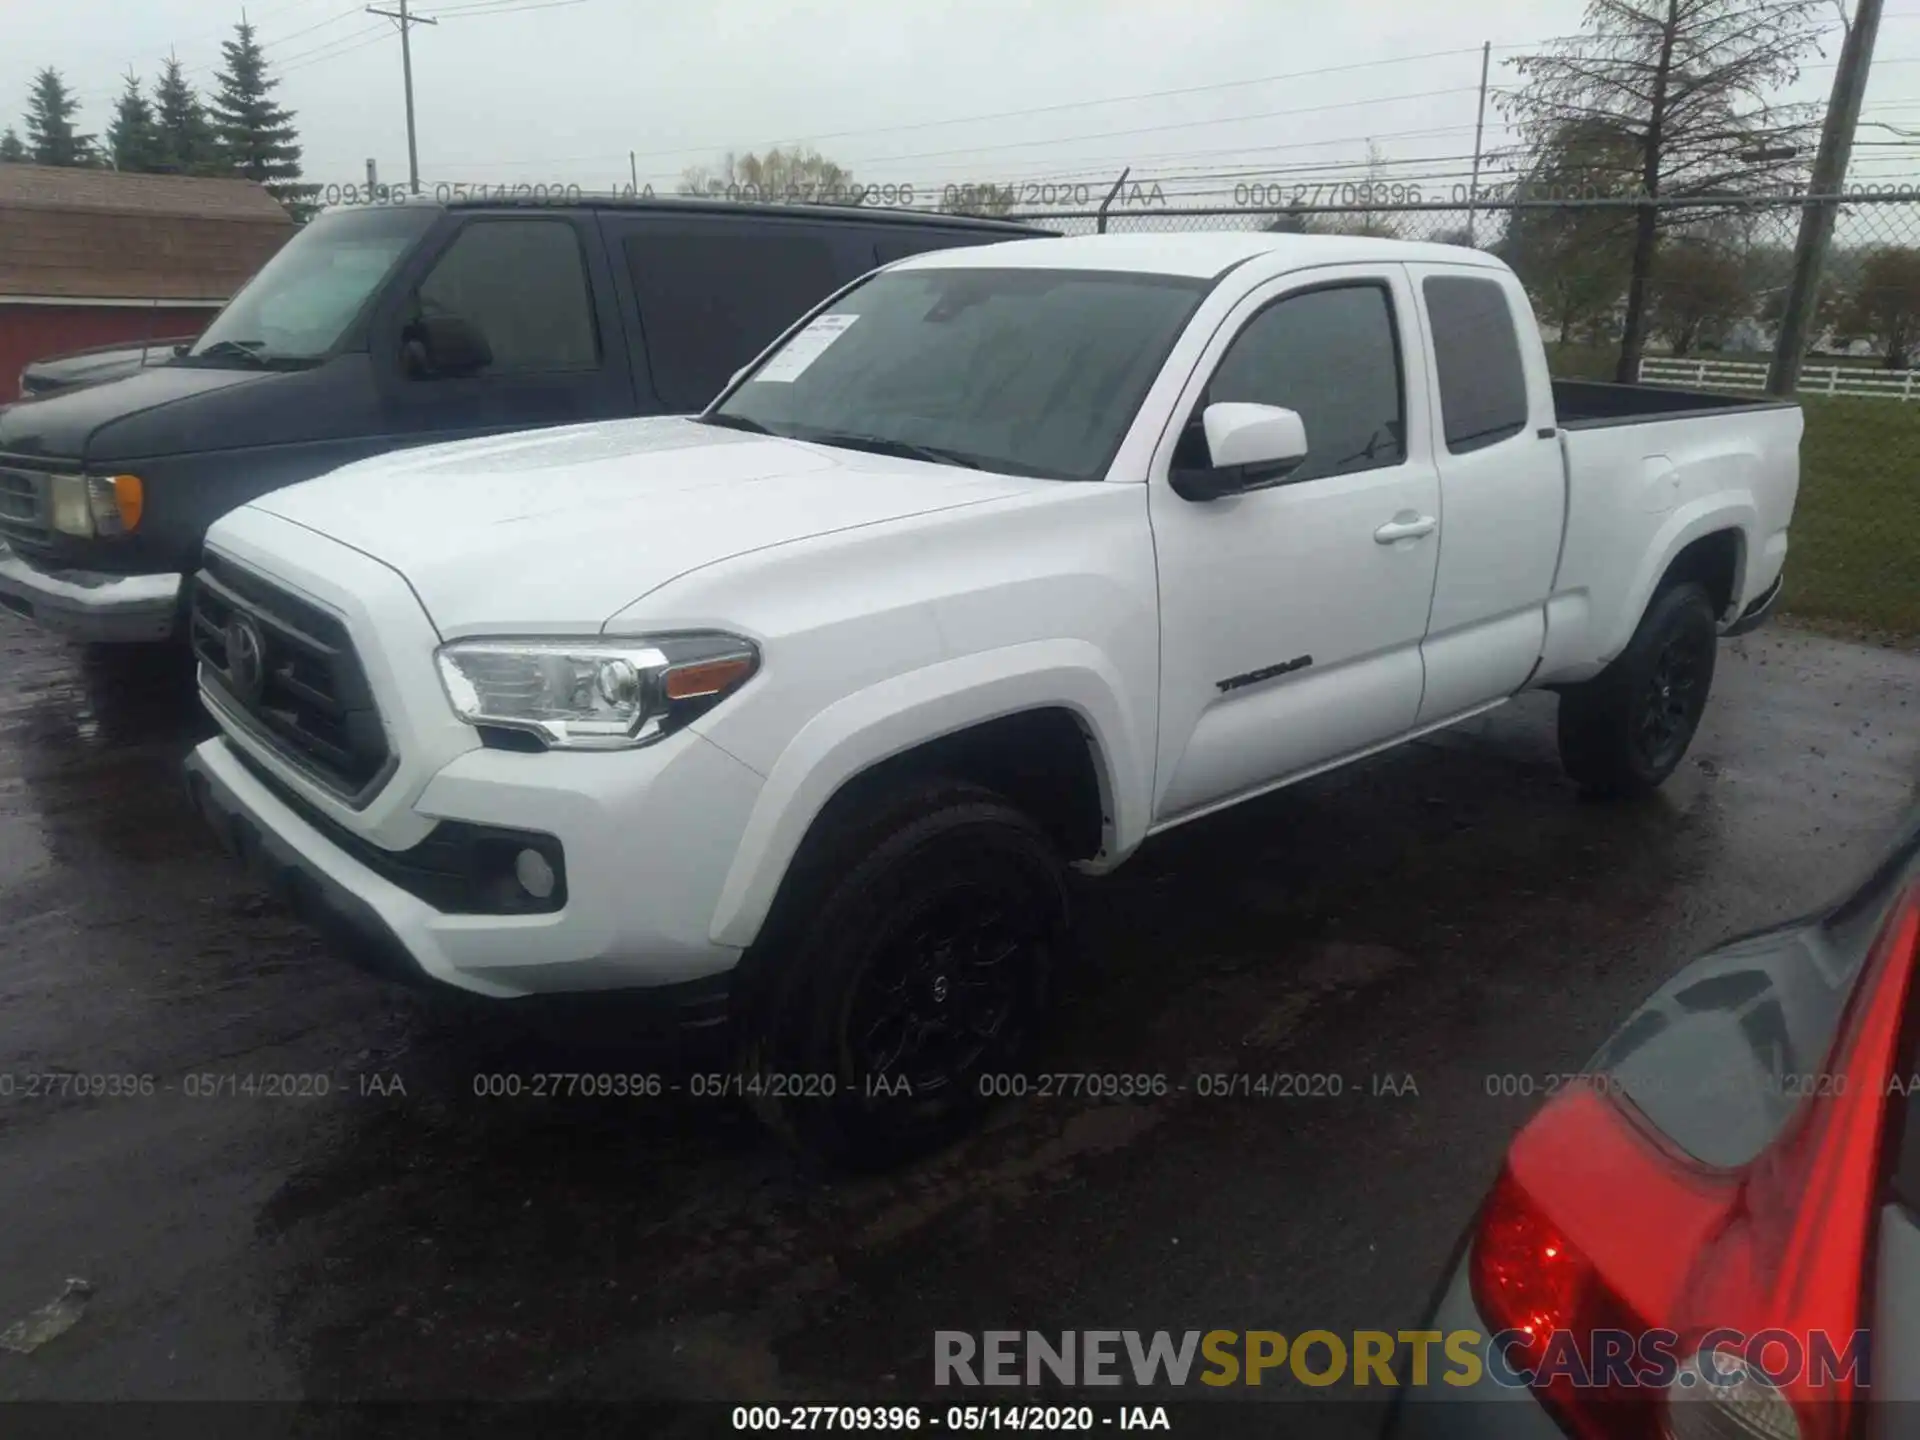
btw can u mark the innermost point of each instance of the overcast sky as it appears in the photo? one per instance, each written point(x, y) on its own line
point(920, 92)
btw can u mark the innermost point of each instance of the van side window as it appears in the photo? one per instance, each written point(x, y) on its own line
point(523, 285)
point(1332, 355)
point(710, 300)
point(1483, 385)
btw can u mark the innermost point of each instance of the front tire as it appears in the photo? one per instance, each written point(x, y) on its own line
point(912, 964)
point(1627, 729)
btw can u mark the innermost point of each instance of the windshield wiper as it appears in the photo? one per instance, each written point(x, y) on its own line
point(736, 422)
point(901, 449)
point(248, 350)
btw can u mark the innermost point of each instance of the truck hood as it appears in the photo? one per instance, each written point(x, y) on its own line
point(557, 531)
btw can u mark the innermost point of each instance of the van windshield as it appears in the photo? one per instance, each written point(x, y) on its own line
point(1024, 371)
point(297, 308)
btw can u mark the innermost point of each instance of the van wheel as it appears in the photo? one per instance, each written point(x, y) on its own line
point(911, 967)
point(1624, 731)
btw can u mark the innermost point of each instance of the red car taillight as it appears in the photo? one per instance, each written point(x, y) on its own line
point(1597, 1225)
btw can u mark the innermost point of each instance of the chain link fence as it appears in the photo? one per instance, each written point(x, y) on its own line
point(1713, 309)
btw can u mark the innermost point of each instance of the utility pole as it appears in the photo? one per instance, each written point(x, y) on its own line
point(1479, 129)
point(1829, 176)
point(406, 23)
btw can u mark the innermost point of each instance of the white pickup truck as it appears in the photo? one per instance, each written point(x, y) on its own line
point(1002, 560)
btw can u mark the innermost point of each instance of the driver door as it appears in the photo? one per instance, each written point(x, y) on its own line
point(1292, 615)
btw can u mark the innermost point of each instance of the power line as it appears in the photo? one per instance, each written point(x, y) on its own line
point(345, 45)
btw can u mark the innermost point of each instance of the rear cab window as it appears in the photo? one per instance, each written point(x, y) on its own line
point(1476, 349)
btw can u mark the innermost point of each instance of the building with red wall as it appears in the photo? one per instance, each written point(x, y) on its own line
point(93, 257)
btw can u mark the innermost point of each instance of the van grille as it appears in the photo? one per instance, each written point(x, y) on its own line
point(288, 669)
point(23, 510)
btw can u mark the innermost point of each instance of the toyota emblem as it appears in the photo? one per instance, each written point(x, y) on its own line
point(246, 659)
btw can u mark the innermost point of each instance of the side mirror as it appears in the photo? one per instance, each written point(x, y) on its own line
point(445, 346)
point(1249, 446)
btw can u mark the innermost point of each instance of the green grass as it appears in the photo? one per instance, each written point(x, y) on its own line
point(1854, 553)
point(1854, 556)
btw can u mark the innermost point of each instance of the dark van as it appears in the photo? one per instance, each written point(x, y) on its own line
point(383, 326)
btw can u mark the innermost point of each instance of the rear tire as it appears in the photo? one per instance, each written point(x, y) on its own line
point(909, 963)
point(1626, 730)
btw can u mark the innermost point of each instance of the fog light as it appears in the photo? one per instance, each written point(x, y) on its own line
point(535, 874)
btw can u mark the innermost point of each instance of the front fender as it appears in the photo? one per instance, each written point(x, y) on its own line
point(871, 725)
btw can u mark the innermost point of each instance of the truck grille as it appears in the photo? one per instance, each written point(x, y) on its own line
point(287, 669)
point(23, 510)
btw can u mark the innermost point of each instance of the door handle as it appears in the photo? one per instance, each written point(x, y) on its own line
point(1411, 527)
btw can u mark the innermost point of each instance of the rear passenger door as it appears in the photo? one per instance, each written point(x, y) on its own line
point(537, 289)
point(1502, 488)
point(712, 291)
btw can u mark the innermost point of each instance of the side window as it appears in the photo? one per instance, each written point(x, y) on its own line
point(523, 285)
point(711, 300)
point(1332, 355)
point(1483, 386)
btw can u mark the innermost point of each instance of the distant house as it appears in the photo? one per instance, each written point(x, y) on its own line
point(93, 257)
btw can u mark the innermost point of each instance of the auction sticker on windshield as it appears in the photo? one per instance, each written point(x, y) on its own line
point(805, 348)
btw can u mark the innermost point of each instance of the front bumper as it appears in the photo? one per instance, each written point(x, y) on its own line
point(84, 605)
point(647, 839)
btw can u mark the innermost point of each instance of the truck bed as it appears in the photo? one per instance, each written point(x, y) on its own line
point(1649, 469)
point(1592, 404)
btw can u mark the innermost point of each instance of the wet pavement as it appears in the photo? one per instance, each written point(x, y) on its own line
point(1418, 926)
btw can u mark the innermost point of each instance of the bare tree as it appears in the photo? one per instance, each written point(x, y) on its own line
point(784, 176)
point(1367, 220)
point(984, 198)
point(1689, 87)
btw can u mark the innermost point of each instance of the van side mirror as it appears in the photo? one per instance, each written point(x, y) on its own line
point(444, 347)
point(1249, 446)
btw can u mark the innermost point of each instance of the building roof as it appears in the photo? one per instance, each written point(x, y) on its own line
point(1201, 254)
point(100, 235)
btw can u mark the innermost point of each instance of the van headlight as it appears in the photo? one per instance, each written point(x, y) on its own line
point(90, 505)
point(593, 694)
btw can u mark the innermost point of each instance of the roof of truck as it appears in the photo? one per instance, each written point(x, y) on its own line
point(1199, 254)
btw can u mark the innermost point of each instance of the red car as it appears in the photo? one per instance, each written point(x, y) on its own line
point(1716, 1232)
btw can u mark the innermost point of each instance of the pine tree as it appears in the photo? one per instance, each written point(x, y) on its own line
point(51, 139)
point(11, 147)
point(132, 138)
point(256, 136)
point(185, 138)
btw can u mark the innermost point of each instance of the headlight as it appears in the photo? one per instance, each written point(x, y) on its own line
point(89, 505)
point(593, 694)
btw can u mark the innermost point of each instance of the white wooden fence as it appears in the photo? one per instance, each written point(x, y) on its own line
point(1814, 379)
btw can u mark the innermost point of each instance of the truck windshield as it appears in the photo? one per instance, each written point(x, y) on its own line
point(301, 302)
point(1031, 372)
